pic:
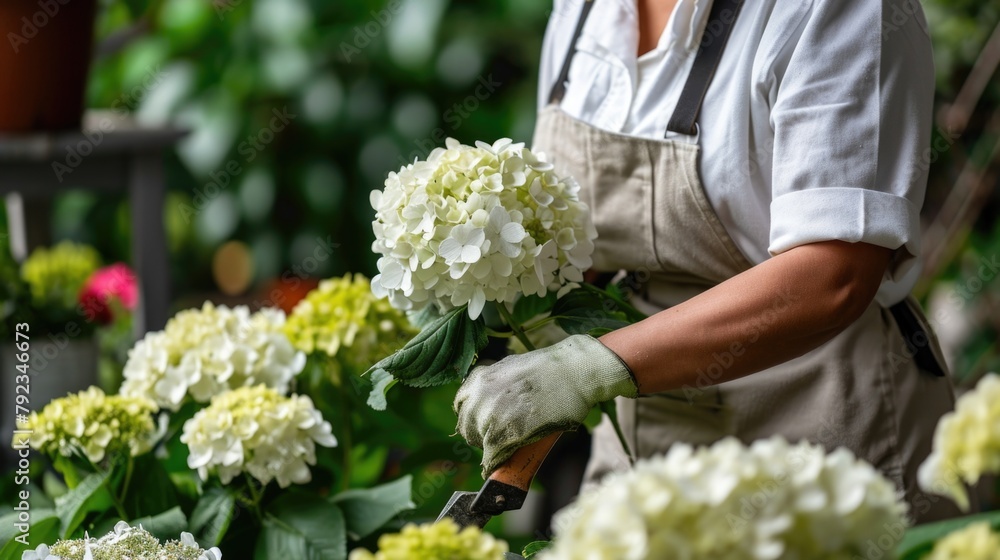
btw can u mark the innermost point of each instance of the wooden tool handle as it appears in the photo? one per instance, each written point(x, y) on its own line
point(522, 466)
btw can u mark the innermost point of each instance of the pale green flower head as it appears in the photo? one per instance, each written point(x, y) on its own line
point(94, 424)
point(258, 431)
point(56, 275)
point(125, 543)
point(441, 540)
point(344, 320)
point(473, 224)
point(204, 352)
point(975, 542)
point(966, 443)
point(763, 502)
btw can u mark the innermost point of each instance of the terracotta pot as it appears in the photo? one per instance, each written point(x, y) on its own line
point(45, 51)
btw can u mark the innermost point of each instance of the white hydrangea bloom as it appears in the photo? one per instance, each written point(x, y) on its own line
point(764, 502)
point(966, 443)
point(477, 224)
point(203, 352)
point(258, 431)
point(125, 542)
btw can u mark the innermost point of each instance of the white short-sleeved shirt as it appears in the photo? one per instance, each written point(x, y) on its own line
point(816, 126)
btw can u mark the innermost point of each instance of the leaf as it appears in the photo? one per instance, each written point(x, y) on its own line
point(151, 490)
point(165, 525)
point(920, 540)
point(420, 353)
point(212, 515)
point(529, 307)
point(583, 310)
point(365, 510)
point(44, 530)
point(303, 526)
point(441, 353)
point(534, 548)
point(90, 495)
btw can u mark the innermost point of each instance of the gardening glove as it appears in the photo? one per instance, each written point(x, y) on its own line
point(523, 398)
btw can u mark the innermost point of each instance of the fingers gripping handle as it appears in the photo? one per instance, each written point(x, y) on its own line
point(507, 487)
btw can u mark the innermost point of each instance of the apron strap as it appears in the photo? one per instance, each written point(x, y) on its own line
point(713, 43)
point(559, 89)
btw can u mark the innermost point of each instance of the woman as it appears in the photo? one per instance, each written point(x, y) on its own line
point(756, 169)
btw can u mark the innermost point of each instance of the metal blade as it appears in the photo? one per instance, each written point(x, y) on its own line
point(459, 509)
point(476, 508)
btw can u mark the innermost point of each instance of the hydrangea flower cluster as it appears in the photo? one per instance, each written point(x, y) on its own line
point(342, 313)
point(258, 431)
point(94, 424)
point(442, 539)
point(477, 224)
point(975, 542)
point(204, 352)
point(966, 443)
point(771, 500)
point(56, 275)
point(124, 543)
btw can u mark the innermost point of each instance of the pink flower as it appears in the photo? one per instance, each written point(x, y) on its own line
point(111, 282)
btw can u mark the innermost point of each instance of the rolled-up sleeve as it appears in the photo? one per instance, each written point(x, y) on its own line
point(852, 119)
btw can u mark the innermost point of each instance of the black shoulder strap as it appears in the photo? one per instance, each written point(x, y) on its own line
point(559, 89)
point(713, 43)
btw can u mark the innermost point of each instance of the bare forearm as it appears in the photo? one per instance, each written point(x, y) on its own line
point(770, 314)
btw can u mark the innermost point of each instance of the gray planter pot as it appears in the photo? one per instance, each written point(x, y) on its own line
point(56, 368)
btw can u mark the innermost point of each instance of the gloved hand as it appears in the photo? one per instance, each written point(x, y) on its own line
point(523, 398)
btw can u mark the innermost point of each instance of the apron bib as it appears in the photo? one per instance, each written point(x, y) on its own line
point(870, 389)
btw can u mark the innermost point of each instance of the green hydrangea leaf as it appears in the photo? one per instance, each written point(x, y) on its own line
point(529, 307)
point(90, 495)
point(441, 353)
point(589, 310)
point(366, 510)
point(212, 515)
point(302, 525)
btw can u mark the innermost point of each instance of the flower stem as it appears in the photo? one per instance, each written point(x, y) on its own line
point(129, 467)
point(518, 331)
point(610, 409)
point(119, 507)
point(256, 497)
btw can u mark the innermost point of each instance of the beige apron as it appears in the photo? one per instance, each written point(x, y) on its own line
point(863, 390)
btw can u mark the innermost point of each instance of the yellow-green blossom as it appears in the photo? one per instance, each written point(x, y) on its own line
point(441, 541)
point(93, 423)
point(56, 275)
point(975, 542)
point(258, 431)
point(343, 319)
point(125, 543)
point(207, 351)
point(966, 443)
